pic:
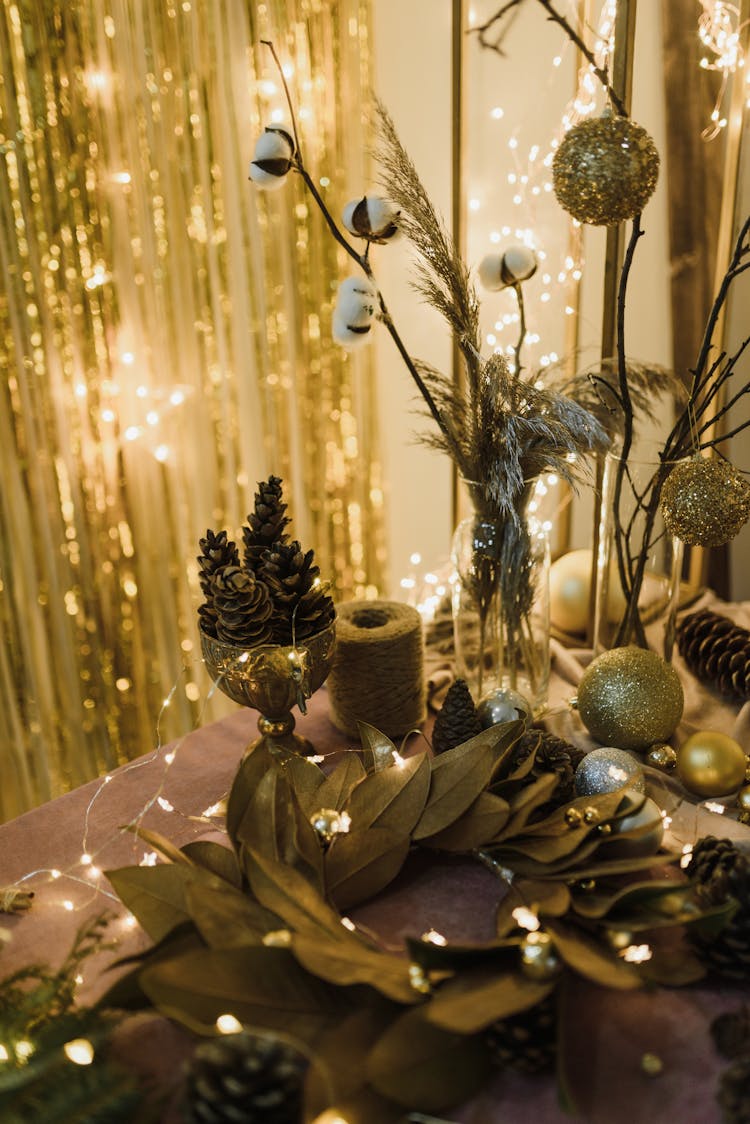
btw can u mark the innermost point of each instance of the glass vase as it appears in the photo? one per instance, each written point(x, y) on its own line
point(648, 563)
point(500, 601)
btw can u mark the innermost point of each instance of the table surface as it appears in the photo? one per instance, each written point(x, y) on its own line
point(613, 1030)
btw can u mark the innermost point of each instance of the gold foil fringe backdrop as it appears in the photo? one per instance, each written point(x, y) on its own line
point(164, 345)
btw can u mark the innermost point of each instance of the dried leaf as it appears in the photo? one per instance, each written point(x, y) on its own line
point(377, 749)
point(350, 962)
point(287, 893)
point(393, 797)
point(268, 824)
point(251, 771)
point(477, 998)
point(458, 777)
point(423, 1067)
point(336, 789)
point(451, 958)
point(160, 843)
point(595, 905)
point(546, 899)
point(307, 854)
point(584, 955)
point(479, 823)
point(226, 918)
point(525, 803)
point(337, 1074)
point(362, 863)
point(217, 859)
point(264, 987)
point(155, 895)
point(305, 778)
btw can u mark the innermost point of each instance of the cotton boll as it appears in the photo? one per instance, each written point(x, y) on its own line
point(371, 217)
point(498, 271)
point(519, 263)
point(272, 159)
point(350, 336)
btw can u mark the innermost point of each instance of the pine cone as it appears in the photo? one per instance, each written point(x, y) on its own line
point(301, 604)
point(722, 872)
point(734, 1092)
point(243, 608)
point(245, 1079)
point(265, 525)
point(553, 755)
point(217, 551)
point(457, 720)
point(717, 651)
point(526, 1042)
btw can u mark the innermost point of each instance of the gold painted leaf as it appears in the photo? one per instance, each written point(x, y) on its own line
point(590, 959)
point(305, 778)
point(349, 961)
point(479, 823)
point(377, 748)
point(264, 987)
point(673, 966)
point(635, 894)
point(160, 843)
point(425, 1068)
point(337, 1075)
point(227, 918)
point(360, 864)
point(155, 895)
point(546, 899)
point(251, 771)
point(288, 894)
point(306, 852)
point(458, 777)
point(525, 803)
point(268, 825)
point(392, 797)
point(477, 998)
point(451, 958)
point(215, 858)
point(337, 788)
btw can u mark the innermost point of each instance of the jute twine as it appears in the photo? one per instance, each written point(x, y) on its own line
point(377, 674)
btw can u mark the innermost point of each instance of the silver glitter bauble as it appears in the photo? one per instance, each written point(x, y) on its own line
point(606, 770)
point(605, 170)
point(705, 502)
point(630, 698)
point(502, 705)
point(649, 823)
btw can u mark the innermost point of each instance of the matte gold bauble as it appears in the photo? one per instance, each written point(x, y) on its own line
point(570, 592)
point(605, 170)
point(630, 698)
point(705, 502)
point(711, 764)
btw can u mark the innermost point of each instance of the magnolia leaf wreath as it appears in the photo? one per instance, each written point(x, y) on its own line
point(261, 931)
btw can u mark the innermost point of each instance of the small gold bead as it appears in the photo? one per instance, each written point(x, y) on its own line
point(605, 829)
point(743, 798)
point(591, 815)
point(652, 1065)
point(587, 885)
point(573, 817)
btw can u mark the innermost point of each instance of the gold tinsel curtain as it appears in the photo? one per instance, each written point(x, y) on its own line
point(164, 345)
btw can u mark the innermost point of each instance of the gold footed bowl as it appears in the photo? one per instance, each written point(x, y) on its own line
point(272, 678)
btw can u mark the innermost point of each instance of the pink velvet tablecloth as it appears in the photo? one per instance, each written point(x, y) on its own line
point(613, 1030)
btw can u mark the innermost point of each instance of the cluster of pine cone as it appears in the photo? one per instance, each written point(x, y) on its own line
point(722, 873)
point(244, 1078)
point(717, 651)
point(273, 594)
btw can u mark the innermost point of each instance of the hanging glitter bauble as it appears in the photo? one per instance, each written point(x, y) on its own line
point(605, 170)
point(705, 502)
point(662, 757)
point(607, 769)
point(630, 698)
point(502, 705)
point(711, 764)
point(539, 959)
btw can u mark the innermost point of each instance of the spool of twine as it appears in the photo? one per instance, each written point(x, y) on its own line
point(377, 673)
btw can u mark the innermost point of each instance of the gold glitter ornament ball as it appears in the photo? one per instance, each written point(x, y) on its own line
point(710, 763)
point(630, 698)
point(605, 170)
point(705, 502)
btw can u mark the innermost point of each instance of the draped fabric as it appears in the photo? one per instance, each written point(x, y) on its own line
point(164, 345)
